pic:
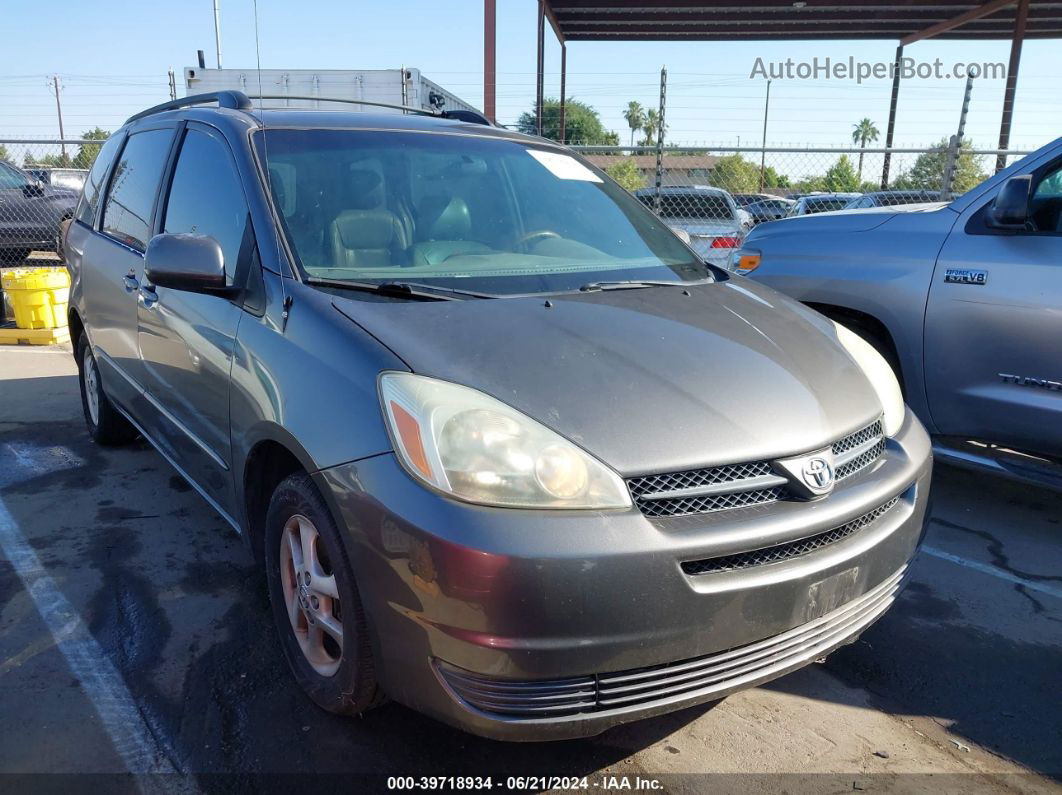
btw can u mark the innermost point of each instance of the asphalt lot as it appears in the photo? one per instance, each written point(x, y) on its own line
point(134, 634)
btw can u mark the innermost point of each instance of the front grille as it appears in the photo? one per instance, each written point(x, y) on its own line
point(697, 679)
point(711, 489)
point(788, 550)
point(867, 445)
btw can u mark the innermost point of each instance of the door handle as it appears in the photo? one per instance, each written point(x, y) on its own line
point(148, 296)
point(130, 282)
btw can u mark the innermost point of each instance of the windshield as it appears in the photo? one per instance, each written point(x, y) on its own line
point(490, 215)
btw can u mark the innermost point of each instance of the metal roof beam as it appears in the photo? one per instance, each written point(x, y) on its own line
point(984, 10)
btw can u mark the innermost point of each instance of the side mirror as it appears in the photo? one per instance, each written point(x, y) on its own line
point(193, 263)
point(1010, 209)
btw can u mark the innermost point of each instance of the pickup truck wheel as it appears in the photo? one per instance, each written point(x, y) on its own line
point(317, 610)
point(106, 425)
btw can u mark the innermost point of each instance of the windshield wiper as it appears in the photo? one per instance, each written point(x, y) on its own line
point(415, 290)
point(634, 284)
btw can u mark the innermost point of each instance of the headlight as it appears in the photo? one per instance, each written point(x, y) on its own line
point(880, 375)
point(478, 449)
point(743, 260)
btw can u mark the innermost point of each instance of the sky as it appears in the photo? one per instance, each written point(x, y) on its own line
point(112, 58)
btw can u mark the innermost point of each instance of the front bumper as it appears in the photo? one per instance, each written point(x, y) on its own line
point(530, 625)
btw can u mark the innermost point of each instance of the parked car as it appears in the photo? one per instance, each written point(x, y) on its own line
point(505, 448)
point(890, 198)
point(709, 217)
point(962, 298)
point(30, 213)
point(72, 178)
point(820, 203)
point(769, 209)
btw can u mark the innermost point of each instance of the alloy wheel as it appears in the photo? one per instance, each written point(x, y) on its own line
point(311, 595)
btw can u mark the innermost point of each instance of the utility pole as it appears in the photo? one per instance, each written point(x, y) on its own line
point(59, 110)
point(891, 128)
point(217, 30)
point(660, 139)
point(956, 143)
point(173, 84)
point(763, 150)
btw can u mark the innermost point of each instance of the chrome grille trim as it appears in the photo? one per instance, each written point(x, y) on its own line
point(709, 676)
point(711, 489)
point(788, 550)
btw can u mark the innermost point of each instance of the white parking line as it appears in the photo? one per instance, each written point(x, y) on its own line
point(100, 680)
point(994, 571)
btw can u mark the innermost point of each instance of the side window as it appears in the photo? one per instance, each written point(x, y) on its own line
point(127, 211)
point(206, 197)
point(11, 177)
point(86, 206)
point(1051, 184)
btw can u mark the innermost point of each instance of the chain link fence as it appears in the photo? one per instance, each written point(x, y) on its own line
point(40, 183)
point(715, 194)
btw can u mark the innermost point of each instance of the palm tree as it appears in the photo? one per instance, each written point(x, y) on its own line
point(863, 133)
point(651, 126)
point(635, 117)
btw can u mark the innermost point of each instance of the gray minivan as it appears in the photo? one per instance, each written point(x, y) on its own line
point(506, 449)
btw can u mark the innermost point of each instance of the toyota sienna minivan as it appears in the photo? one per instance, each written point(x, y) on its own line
point(507, 450)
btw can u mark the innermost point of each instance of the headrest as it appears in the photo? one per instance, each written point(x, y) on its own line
point(444, 218)
point(364, 229)
point(361, 190)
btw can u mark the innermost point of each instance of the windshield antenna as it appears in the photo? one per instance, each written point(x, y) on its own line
point(287, 299)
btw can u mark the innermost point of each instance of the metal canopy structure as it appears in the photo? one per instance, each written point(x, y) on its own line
point(905, 21)
point(773, 20)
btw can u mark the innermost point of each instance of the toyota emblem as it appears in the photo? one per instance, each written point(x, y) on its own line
point(817, 474)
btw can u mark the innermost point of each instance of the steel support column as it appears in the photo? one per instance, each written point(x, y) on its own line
point(539, 74)
point(891, 128)
point(490, 60)
point(564, 73)
point(1012, 81)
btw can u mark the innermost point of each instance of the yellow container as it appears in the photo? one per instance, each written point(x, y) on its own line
point(38, 296)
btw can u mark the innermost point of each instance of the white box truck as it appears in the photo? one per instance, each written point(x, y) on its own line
point(394, 86)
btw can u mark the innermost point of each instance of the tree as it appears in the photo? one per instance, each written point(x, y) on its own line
point(626, 173)
point(863, 133)
point(4, 154)
point(635, 116)
point(86, 154)
point(841, 177)
point(582, 124)
point(651, 127)
point(47, 161)
point(927, 173)
point(735, 174)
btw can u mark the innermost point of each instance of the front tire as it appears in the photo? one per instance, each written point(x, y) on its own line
point(106, 425)
point(316, 607)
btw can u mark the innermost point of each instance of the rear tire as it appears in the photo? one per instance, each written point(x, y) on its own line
point(317, 610)
point(106, 425)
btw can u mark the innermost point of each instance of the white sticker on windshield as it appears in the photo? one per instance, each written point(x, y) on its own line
point(564, 166)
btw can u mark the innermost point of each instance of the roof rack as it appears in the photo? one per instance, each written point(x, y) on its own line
point(460, 114)
point(236, 100)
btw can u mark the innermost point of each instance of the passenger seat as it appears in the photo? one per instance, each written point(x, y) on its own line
point(366, 236)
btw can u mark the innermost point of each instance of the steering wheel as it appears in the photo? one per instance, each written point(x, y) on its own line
point(539, 234)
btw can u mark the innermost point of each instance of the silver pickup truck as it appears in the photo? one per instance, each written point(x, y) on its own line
point(963, 298)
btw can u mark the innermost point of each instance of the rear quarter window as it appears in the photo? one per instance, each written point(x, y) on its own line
point(133, 187)
point(86, 206)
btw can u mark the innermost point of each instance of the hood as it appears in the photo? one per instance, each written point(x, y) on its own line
point(648, 380)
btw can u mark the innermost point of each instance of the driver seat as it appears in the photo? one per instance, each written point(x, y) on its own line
point(443, 224)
